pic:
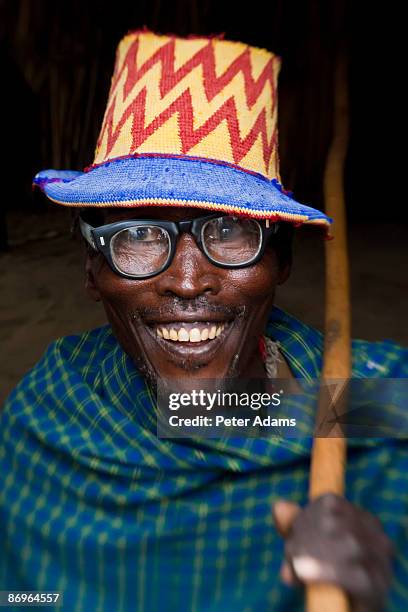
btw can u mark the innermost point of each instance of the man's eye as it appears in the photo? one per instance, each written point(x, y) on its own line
point(141, 233)
point(229, 229)
point(147, 234)
point(226, 232)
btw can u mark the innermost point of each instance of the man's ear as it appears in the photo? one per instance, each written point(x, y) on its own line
point(90, 283)
point(284, 273)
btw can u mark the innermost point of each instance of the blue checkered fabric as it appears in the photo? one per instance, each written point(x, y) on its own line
point(93, 504)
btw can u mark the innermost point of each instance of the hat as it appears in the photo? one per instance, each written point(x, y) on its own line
point(189, 122)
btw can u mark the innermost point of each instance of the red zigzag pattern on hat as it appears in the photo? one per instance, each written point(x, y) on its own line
point(183, 104)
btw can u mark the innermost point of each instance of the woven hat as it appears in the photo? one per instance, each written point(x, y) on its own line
point(189, 122)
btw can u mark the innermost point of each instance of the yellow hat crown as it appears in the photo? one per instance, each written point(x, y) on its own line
point(195, 97)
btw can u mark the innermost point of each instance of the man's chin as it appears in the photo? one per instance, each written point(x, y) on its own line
point(196, 366)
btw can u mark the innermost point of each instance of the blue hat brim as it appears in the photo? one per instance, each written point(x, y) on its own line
point(166, 181)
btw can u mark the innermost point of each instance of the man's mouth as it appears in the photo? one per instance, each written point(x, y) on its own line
point(193, 343)
point(183, 331)
point(189, 336)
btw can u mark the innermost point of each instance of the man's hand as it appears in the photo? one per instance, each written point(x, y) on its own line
point(333, 541)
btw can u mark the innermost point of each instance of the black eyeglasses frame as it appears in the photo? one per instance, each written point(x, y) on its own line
point(99, 239)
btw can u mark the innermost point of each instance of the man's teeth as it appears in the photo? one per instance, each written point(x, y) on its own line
point(195, 334)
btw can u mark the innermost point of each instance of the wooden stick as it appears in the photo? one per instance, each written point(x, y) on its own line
point(329, 453)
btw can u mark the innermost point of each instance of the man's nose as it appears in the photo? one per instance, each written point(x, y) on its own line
point(190, 274)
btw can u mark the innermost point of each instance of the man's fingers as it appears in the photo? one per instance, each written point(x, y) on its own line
point(284, 514)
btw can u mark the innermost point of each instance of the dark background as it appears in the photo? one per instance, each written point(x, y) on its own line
point(56, 60)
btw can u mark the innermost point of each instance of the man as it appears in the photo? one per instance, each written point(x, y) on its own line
point(188, 235)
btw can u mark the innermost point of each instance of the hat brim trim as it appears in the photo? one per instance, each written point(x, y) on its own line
point(273, 215)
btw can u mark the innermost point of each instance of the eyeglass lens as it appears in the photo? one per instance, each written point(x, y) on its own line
point(142, 250)
point(230, 240)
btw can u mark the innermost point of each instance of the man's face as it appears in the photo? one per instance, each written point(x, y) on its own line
point(227, 308)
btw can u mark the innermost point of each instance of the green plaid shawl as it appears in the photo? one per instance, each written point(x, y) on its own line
point(93, 504)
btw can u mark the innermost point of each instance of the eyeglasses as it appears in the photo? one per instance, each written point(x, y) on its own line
point(142, 248)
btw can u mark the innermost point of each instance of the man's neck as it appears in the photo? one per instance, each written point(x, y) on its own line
point(284, 370)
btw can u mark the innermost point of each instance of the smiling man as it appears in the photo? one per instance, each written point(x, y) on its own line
point(205, 287)
point(188, 233)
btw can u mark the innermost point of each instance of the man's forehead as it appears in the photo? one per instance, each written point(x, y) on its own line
point(167, 213)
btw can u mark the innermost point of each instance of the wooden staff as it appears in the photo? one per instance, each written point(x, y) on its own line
point(329, 453)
